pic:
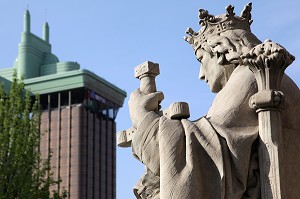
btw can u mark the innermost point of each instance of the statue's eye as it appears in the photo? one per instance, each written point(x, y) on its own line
point(200, 59)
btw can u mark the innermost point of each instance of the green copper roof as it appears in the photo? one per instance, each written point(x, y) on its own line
point(76, 79)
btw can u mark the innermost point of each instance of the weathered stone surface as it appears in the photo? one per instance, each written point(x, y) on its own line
point(247, 145)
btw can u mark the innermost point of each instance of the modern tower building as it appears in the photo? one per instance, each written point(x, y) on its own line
point(78, 117)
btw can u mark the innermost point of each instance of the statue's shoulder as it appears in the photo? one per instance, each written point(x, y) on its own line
point(241, 77)
point(288, 84)
point(232, 102)
point(291, 92)
point(290, 114)
point(240, 86)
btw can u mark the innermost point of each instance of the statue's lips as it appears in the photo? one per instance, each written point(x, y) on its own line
point(235, 61)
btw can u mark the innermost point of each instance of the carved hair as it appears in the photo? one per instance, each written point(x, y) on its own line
point(231, 44)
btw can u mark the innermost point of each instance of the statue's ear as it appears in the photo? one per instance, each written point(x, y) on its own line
point(223, 45)
point(219, 44)
point(232, 55)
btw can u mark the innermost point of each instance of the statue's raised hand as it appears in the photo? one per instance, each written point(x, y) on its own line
point(140, 104)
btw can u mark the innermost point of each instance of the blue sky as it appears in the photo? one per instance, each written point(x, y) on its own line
point(110, 38)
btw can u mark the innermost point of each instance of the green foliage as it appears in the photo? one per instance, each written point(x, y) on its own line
point(23, 173)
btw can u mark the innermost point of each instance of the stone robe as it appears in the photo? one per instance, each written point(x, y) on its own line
point(215, 156)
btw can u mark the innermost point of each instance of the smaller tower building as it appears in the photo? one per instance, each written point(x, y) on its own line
point(79, 109)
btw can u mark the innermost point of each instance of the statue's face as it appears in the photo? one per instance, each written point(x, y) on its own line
point(213, 73)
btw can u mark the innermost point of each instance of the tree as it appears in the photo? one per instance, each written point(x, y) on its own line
point(23, 173)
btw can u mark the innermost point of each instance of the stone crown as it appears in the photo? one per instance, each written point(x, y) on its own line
point(212, 25)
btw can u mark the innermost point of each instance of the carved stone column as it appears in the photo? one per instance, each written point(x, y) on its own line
point(268, 61)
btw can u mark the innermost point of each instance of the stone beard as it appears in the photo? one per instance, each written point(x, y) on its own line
point(234, 151)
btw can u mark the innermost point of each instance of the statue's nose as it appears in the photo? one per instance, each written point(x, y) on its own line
point(201, 74)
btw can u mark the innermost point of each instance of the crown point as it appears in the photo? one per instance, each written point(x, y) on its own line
point(190, 31)
point(229, 11)
point(246, 13)
point(203, 13)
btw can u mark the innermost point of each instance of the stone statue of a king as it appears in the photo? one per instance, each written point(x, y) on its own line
point(248, 143)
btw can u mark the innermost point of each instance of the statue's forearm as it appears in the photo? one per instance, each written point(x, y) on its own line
point(145, 145)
